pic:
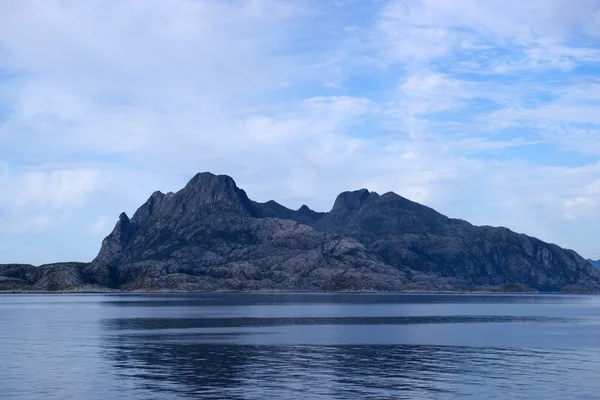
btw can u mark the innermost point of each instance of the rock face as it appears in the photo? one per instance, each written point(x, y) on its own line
point(55, 277)
point(409, 234)
point(211, 236)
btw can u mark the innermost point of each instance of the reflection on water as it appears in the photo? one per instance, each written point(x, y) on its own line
point(172, 323)
point(253, 346)
point(348, 372)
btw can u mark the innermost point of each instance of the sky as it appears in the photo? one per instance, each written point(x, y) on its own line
point(487, 111)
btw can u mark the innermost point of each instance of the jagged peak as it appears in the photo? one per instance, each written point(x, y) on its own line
point(212, 188)
point(208, 178)
point(206, 188)
point(353, 200)
point(123, 218)
point(304, 208)
point(147, 209)
point(207, 182)
point(305, 211)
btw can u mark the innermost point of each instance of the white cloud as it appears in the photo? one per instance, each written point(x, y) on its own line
point(53, 189)
point(427, 92)
point(340, 104)
point(423, 30)
point(584, 200)
point(106, 103)
point(101, 225)
point(478, 144)
point(30, 224)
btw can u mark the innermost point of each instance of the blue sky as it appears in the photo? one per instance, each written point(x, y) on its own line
point(484, 110)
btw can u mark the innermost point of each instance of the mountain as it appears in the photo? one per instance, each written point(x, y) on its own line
point(85, 277)
point(595, 263)
point(211, 236)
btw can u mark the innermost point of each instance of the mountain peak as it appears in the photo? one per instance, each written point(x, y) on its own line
point(203, 179)
point(123, 218)
point(352, 200)
point(210, 227)
point(207, 188)
point(304, 208)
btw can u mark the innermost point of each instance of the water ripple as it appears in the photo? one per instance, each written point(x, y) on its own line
point(188, 323)
point(343, 372)
point(299, 346)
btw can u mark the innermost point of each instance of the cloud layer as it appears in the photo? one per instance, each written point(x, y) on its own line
point(486, 111)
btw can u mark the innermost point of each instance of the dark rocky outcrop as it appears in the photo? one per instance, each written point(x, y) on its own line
point(211, 236)
point(409, 234)
point(55, 277)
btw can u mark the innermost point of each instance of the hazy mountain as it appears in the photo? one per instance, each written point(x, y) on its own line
point(211, 236)
point(595, 263)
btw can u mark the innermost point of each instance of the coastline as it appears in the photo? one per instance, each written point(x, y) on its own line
point(179, 292)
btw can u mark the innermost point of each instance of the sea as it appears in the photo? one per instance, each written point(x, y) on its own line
point(299, 346)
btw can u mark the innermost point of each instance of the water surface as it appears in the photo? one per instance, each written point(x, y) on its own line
point(299, 346)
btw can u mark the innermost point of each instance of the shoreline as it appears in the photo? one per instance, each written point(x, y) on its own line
point(179, 292)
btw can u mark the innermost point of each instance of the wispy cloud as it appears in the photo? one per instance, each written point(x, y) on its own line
point(50, 189)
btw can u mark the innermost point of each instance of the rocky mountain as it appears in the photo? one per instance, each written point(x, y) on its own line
point(56, 277)
point(211, 236)
point(595, 263)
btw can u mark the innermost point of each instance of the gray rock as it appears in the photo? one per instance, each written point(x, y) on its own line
point(55, 277)
point(411, 235)
point(211, 236)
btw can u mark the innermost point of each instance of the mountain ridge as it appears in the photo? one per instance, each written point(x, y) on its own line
point(211, 236)
point(594, 263)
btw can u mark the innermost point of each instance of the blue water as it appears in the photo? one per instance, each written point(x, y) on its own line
point(299, 346)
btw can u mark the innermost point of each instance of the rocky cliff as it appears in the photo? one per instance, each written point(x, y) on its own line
point(211, 236)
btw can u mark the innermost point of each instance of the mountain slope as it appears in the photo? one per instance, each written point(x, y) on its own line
point(408, 234)
point(594, 263)
point(211, 236)
point(55, 277)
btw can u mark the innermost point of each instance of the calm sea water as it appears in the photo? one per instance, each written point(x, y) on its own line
point(299, 346)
